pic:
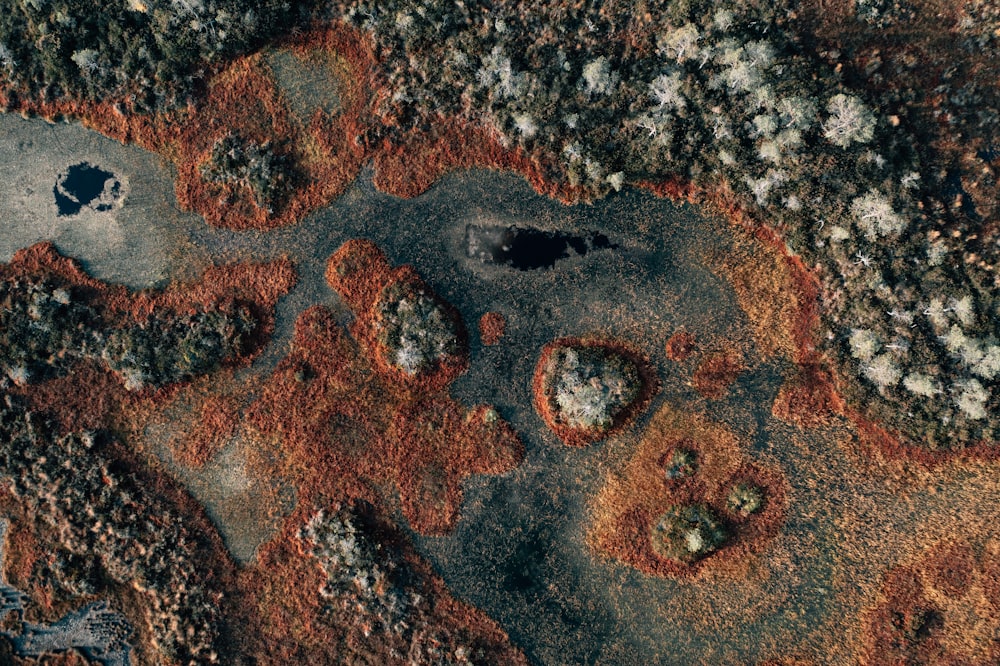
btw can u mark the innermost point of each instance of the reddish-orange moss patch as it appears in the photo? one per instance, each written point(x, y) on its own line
point(492, 326)
point(327, 423)
point(347, 421)
point(545, 403)
point(409, 165)
point(631, 501)
point(808, 398)
point(360, 273)
point(941, 608)
point(217, 423)
point(325, 152)
point(680, 346)
point(715, 373)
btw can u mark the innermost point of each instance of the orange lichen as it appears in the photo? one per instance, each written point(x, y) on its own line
point(632, 500)
point(544, 399)
point(491, 328)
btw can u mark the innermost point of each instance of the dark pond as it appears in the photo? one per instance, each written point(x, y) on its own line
point(81, 185)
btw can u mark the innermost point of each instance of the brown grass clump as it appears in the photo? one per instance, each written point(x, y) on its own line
point(545, 401)
point(491, 328)
point(633, 499)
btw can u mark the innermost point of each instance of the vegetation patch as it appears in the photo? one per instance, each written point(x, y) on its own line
point(688, 501)
point(412, 335)
point(940, 608)
point(587, 389)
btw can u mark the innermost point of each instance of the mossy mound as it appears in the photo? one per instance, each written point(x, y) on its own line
point(590, 386)
point(414, 329)
point(687, 533)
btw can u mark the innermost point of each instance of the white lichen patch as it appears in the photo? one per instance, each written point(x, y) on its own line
point(864, 344)
point(972, 398)
point(883, 371)
point(414, 328)
point(590, 386)
point(921, 384)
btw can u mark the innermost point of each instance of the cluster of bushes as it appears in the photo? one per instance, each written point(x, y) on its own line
point(168, 348)
point(46, 326)
point(108, 531)
point(43, 329)
point(148, 53)
point(381, 594)
point(267, 175)
point(727, 94)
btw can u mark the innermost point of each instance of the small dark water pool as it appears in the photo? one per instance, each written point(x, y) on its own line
point(526, 248)
point(83, 184)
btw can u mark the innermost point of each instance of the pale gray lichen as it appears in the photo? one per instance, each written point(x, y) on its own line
point(590, 386)
point(414, 328)
point(359, 573)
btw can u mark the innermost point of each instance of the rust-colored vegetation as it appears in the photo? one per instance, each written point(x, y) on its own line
point(680, 346)
point(350, 430)
point(293, 623)
point(492, 326)
point(716, 373)
point(217, 423)
point(332, 422)
point(685, 459)
point(324, 151)
point(941, 608)
point(359, 272)
point(348, 420)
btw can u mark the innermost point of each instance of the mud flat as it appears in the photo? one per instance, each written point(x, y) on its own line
point(130, 231)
